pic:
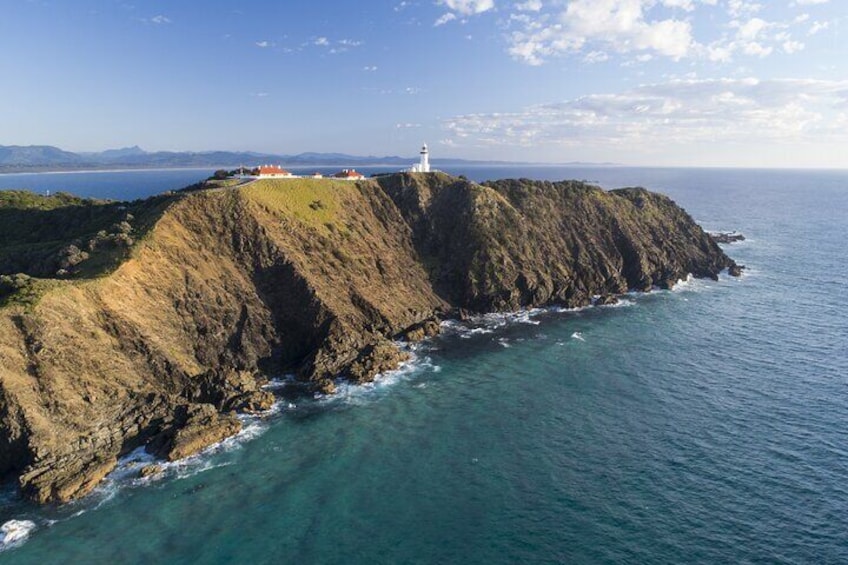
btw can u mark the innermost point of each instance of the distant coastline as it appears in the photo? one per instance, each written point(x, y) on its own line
point(95, 170)
point(16, 159)
point(46, 170)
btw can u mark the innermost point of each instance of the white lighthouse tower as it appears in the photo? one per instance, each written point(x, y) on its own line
point(424, 165)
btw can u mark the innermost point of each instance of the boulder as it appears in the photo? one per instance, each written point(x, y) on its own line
point(375, 359)
point(421, 330)
point(150, 470)
point(196, 427)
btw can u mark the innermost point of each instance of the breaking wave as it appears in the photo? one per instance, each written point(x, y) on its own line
point(15, 532)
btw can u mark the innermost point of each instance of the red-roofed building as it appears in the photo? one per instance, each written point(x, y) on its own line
point(349, 174)
point(272, 171)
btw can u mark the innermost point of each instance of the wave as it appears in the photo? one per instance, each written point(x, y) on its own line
point(15, 532)
point(489, 323)
point(128, 471)
point(364, 393)
point(622, 302)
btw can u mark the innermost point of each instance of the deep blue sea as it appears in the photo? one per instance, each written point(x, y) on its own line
point(708, 424)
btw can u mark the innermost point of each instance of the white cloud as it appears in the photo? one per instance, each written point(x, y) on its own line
point(742, 8)
point(468, 7)
point(691, 111)
point(445, 18)
point(160, 19)
point(749, 30)
point(407, 126)
point(793, 46)
point(264, 44)
point(596, 57)
point(635, 30)
point(818, 27)
point(321, 41)
point(529, 6)
point(462, 8)
point(369, 68)
point(610, 25)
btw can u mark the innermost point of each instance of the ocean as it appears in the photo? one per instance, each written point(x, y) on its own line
point(707, 424)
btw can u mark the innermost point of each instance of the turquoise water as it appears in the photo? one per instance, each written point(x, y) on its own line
point(707, 424)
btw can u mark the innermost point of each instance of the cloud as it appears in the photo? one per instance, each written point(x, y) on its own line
point(160, 20)
point(264, 44)
point(369, 68)
point(468, 7)
point(638, 30)
point(336, 46)
point(793, 46)
point(742, 8)
point(601, 25)
point(691, 111)
point(818, 27)
point(445, 18)
point(463, 8)
point(596, 57)
point(529, 6)
point(407, 126)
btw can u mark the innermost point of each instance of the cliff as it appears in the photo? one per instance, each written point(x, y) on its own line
point(158, 340)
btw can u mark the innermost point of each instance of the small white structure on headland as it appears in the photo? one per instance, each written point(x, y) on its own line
point(422, 166)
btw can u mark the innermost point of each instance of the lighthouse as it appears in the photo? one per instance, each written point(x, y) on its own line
point(424, 165)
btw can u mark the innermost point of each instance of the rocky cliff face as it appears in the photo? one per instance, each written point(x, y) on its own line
point(310, 276)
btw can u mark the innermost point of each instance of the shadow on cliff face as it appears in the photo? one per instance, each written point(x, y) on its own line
point(517, 243)
point(301, 323)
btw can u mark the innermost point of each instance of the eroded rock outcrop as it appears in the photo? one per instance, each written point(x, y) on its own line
point(313, 277)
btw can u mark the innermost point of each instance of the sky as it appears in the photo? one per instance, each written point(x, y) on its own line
point(734, 83)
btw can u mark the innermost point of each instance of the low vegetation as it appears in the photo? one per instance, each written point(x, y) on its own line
point(313, 202)
point(66, 237)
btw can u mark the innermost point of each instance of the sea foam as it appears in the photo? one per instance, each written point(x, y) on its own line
point(15, 532)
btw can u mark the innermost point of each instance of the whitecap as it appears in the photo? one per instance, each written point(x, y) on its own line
point(278, 383)
point(620, 303)
point(15, 532)
point(578, 336)
point(126, 473)
point(566, 310)
point(363, 393)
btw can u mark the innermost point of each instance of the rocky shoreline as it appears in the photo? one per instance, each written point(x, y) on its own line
point(727, 237)
point(311, 277)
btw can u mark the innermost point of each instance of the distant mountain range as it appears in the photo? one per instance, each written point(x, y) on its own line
point(37, 158)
